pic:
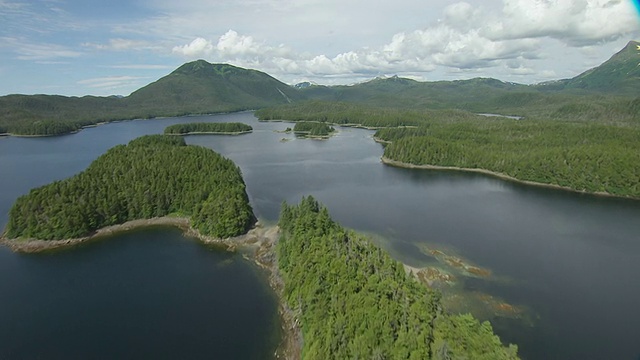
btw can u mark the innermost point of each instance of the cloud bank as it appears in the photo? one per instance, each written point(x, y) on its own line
point(467, 37)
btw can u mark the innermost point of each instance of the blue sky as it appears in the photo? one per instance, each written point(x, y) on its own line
point(114, 47)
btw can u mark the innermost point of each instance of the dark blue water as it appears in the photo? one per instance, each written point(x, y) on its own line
point(146, 294)
point(571, 259)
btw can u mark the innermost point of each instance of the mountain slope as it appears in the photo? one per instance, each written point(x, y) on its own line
point(406, 93)
point(620, 74)
point(197, 87)
point(201, 87)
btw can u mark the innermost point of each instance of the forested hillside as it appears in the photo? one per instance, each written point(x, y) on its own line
point(355, 302)
point(152, 176)
point(342, 113)
point(605, 94)
point(620, 74)
point(197, 87)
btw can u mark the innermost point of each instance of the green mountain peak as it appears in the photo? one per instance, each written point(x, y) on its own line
point(619, 74)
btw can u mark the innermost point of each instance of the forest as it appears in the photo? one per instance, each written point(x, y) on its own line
point(210, 128)
point(154, 175)
point(570, 149)
point(582, 156)
point(355, 302)
point(313, 129)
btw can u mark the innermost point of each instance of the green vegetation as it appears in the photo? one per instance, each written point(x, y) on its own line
point(355, 302)
point(581, 156)
point(338, 113)
point(199, 87)
point(606, 94)
point(593, 147)
point(55, 115)
point(151, 176)
point(194, 88)
point(212, 128)
point(619, 74)
point(313, 129)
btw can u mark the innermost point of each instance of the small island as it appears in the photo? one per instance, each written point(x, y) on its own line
point(312, 129)
point(232, 128)
point(153, 176)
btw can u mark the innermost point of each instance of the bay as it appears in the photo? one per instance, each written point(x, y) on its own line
point(568, 260)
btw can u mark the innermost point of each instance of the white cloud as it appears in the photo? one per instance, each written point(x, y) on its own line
point(142, 67)
point(231, 44)
point(466, 36)
point(327, 41)
point(111, 82)
point(199, 47)
point(26, 50)
point(120, 44)
point(574, 22)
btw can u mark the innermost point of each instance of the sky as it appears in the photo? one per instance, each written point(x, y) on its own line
point(88, 47)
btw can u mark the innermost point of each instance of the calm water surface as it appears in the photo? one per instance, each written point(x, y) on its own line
point(572, 260)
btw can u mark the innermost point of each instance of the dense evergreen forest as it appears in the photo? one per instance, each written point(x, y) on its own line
point(581, 156)
point(152, 176)
point(580, 153)
point(340, 113)
point(213, 128)
point(311, 128)
point(355, 302)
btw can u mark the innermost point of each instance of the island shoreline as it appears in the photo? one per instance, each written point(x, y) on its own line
point(211, 133)
point(501, 176)
point(260, 239)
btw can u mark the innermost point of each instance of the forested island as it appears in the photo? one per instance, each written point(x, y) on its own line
point(591, 156)
point(355, 302)
point(152, 176)
point(352, 299)
point(313, 129)
point(234, 128)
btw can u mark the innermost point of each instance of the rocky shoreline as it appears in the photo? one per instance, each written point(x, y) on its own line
point(260, 241)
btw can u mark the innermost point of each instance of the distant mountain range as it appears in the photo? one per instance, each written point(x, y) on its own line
point(199, 87)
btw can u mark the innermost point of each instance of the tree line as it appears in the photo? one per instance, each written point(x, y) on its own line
point(152, 176)
point(582, 156)
point(355, 302)
point(313, 128)
point(573, 146)
point(222, 128)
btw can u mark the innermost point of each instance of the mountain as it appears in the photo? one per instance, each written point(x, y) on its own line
point(620, 74)
point(196, 87)
point(407, 93)
point(200, 87)
point(608, 88)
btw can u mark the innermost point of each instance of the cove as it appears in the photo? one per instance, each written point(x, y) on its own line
point(148, 293)
point(570, 260)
